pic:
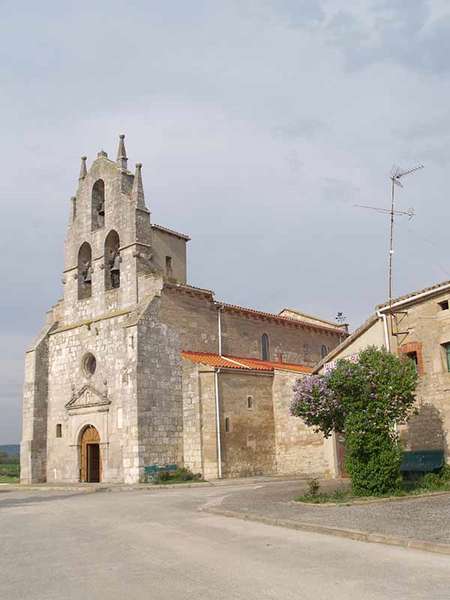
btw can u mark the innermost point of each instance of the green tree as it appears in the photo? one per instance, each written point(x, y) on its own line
point(365, 399)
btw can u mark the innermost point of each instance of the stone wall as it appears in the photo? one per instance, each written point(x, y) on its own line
point(108, 402)
point(159, 392)
point(189, 320)
point(248, 447)
point(192, 418)
point(167, 244)
point(194, 316)
point(292, 343)
point(427, 329)
point(121, 215)
point(136, 333)
point(33, 448)
point(298, 449)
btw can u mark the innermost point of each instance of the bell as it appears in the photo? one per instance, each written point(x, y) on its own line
point(87, 276)
point(116, 264)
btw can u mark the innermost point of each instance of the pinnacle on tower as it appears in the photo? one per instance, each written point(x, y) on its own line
point(83, 170)
point(122, 158)
point(73, 201)
point(137, 193)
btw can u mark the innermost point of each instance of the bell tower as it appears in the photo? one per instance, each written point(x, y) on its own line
point(108, 246)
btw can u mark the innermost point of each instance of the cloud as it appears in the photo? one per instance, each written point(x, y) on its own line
point(391, 32)
point(299, 13)
point(259, 124)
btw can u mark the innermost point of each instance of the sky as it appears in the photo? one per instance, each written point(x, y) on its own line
point(260, 125)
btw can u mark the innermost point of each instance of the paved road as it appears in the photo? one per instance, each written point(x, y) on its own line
point(424, 519)
point(157, 545)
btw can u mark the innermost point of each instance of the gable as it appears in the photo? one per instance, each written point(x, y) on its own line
point(88, 396)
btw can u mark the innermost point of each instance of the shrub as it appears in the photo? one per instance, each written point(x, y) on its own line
point(445, 473)
point(372, 460)
point(9, 470)
point(313, 487)
point(184, 474)
point(432, 481)
point(364, 399)
point(181, 474)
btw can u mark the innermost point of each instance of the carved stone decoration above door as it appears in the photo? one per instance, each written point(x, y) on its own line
point(88, 396)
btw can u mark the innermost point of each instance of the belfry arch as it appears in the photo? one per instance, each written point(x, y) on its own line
point(90, 455)
point(112, 260)
point(84, 271)
point(98, 204)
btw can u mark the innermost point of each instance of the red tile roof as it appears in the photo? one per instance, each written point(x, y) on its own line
point(280, 319)
point(257, 314)
point(238, 362)
point(433, 288)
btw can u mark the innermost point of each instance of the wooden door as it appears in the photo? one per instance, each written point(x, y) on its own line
point(90, 456)
point(340, 454)
point(93, 463)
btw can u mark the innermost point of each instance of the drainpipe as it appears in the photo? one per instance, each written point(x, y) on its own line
point(382, 316)
point(387, 343)
point(219, 327)
point(219, 446)
point(216, 386)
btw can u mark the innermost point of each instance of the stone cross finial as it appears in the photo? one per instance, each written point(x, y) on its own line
point(83, 170)
point(137, 193)
point(122, 158)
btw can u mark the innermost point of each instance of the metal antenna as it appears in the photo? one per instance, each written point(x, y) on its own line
point(409, 212)
point(396, 175)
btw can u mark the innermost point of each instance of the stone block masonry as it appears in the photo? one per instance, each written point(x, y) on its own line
point(106, 389)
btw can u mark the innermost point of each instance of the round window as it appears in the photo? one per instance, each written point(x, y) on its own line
point(89, 364)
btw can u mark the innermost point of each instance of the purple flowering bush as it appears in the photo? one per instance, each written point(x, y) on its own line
point(365, 400)
point(316, 403)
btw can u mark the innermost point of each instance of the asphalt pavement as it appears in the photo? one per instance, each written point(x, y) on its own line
point(158, 544)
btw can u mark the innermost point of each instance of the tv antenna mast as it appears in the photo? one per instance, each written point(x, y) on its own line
point(396, 175)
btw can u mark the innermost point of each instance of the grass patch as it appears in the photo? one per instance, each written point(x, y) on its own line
point(8, 479)
point(179, 476)
point(336, 497)
point(9, 472)
point(429, 483)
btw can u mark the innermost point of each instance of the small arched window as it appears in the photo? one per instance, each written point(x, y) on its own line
point(323, 351)
point(265, 346)
point(112, 260)
point(98, 204)
point(84, 271)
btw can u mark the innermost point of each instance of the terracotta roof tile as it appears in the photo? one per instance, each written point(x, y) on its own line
point(184, 287)
point(251, 311)
point(412, 295)
point(239, 362)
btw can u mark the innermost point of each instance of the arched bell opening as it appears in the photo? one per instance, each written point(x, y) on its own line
point(112, 260)
point(90, 456)
point(84, 271)
point(98, 204)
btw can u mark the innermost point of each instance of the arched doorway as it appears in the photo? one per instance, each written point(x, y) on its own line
point(90, 458)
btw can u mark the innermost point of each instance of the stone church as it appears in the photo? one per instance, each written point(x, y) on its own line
point(136, 367)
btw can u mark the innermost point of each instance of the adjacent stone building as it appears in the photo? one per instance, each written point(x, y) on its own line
point(134, 366)
point(416, 325)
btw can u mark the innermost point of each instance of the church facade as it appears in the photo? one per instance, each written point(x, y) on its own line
point(135, 367)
